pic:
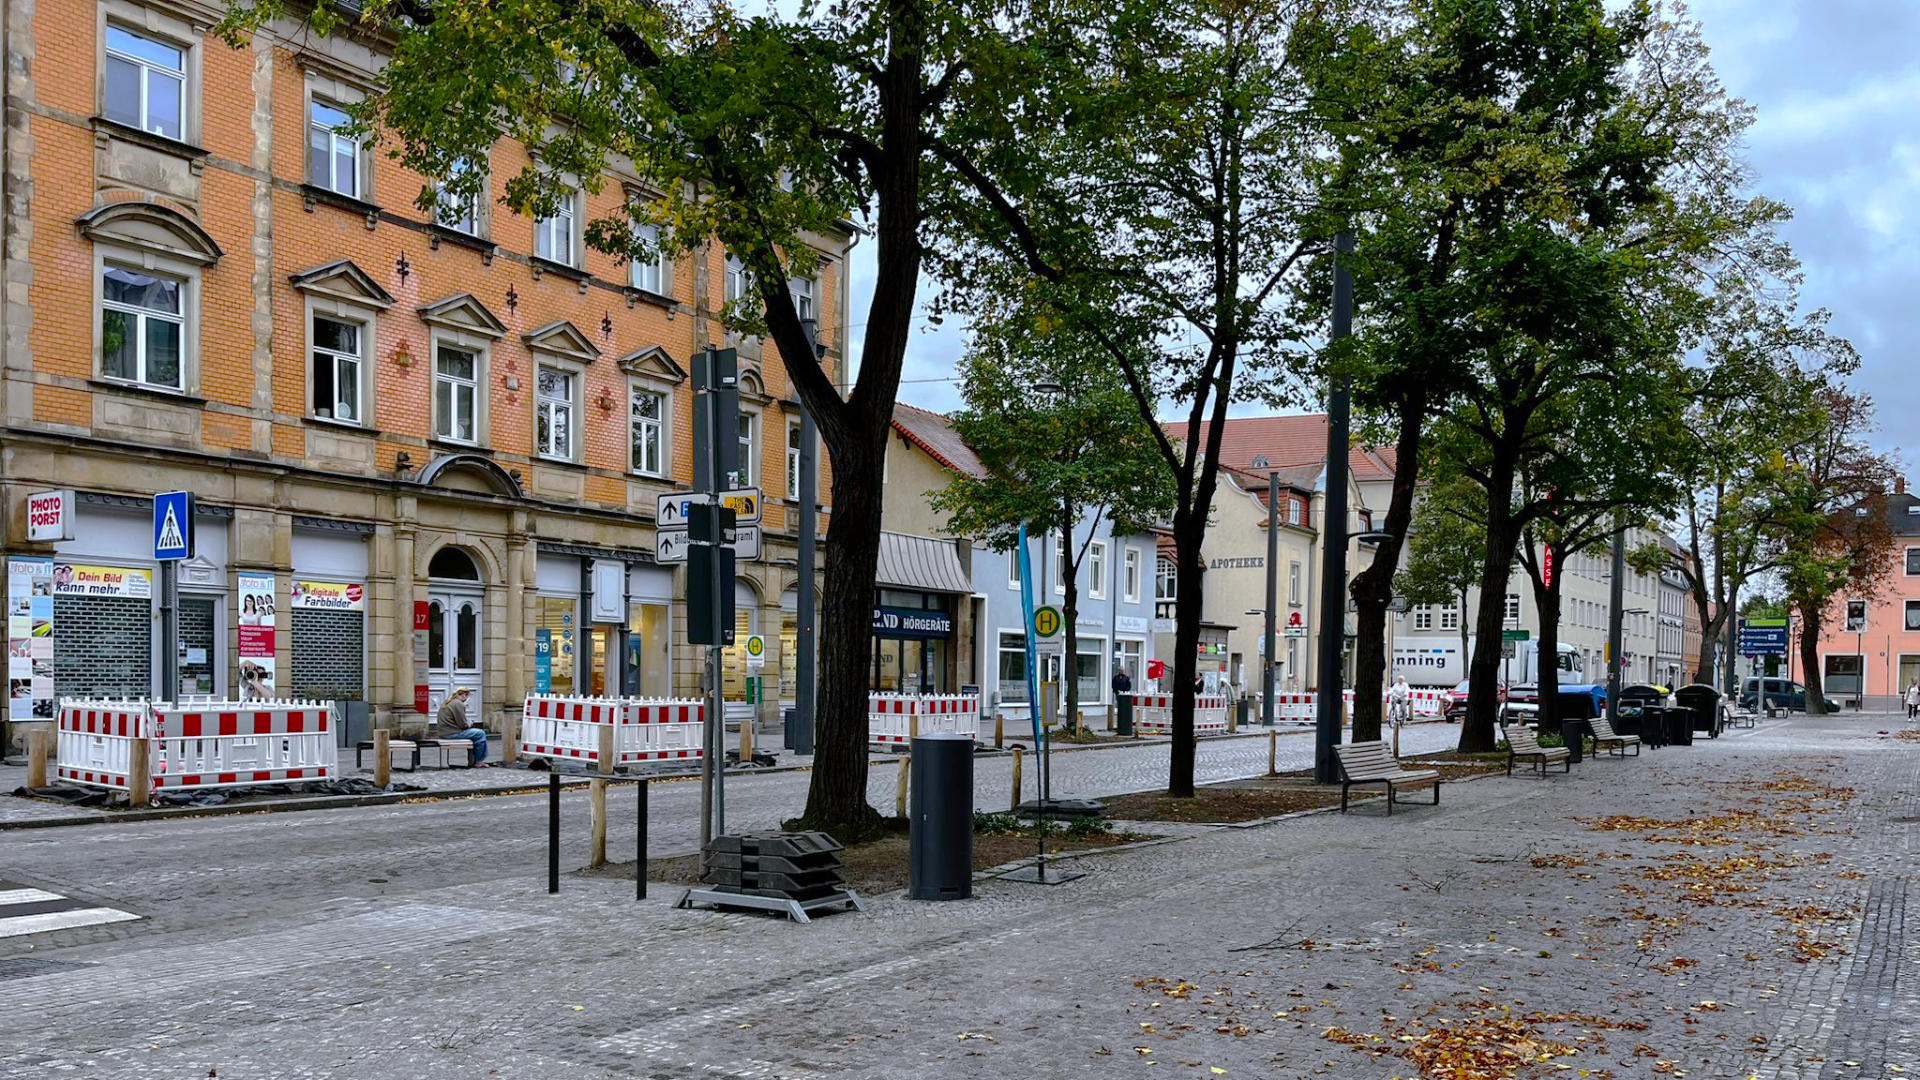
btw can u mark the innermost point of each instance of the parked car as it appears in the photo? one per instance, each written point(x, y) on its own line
point(1456, 706)
point(1780, 694)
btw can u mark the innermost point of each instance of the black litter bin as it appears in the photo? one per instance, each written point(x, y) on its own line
point(1679, 726)
point(1574, 733)
point(940, 818)
point(1123, 715)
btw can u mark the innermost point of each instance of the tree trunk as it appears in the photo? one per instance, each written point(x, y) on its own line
point(1373, 588)
point(1546, 656)
point(1477, 734)
point(837, 794)
point(1465, 637)
point(1070, 658)
point(1810, 620)
point(1189, 526)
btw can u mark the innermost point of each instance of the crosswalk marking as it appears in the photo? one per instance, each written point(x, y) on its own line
point(26, 910)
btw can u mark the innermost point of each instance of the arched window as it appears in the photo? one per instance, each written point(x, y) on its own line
point(1165, 585)
point(453, 563)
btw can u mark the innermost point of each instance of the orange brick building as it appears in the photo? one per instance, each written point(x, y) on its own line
point(210, 288)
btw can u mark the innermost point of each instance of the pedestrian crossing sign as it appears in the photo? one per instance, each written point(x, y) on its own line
point(173, 526)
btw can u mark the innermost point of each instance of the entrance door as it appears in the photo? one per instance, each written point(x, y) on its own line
point(454, 630)
point(199, 656)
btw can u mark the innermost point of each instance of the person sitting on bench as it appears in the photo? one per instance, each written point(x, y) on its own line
point(452, 723)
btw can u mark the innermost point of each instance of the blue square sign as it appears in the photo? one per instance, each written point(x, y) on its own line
point(173, 526)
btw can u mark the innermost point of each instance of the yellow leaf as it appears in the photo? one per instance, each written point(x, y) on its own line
point(1218, 1071)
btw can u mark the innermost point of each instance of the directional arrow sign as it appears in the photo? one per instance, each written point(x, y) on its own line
point(670, 547)
point(745, 541)
point(670, 511)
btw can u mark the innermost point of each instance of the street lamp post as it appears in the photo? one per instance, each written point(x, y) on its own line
point(1268, 646)
point(1327, 712)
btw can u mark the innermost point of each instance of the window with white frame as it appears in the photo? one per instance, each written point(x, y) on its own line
point(801, 289)
point(1449, 618)
point(1166, 580)
point(1913, 562)
point(1013, 568)
point(1293, 583)
point(647, 412)
point(142, 327)
point(1130, 575)
point(459, 212)
point(456, 390)
point(1295, 511)
point(1062, 565)
point(736, 279)
point(748, 422)
point(146, 83)
point(333, 155)
point(793, 459)
point(553, 416)
point(1913, 614)
point(553, 234)
point(1013, 667)
point(1423, 617)
point(1513, 607)
point(649, 272)
point(1097, 569)
point(337, 364)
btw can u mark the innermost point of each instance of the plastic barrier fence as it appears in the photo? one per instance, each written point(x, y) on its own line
point(644, 729)
point(201, 745)
point(1427, 704)
point(893, 719)
point(1153, 714)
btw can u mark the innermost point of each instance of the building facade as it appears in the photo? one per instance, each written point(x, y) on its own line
point(1870, 644)
point(399, 427)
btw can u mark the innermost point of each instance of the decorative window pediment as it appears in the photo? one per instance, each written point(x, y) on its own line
point(653, 363)
point(466, 313)
point(150, 227)
point(563, 339)
point(345, 282)
point(752, 388)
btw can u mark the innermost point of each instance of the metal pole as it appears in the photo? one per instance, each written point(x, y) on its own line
point(169, 630)
point(1333, 537)
point(553, 832)
point(1616, 598)
point(640, 841)
point(1270, 646)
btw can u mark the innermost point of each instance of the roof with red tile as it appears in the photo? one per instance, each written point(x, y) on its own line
point(1260, 443)
point(933, 433)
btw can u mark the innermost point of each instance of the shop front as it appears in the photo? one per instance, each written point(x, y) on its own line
point(919, 645)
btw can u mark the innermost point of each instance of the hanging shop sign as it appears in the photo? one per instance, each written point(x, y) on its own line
point(911, 623)
point(50, 516)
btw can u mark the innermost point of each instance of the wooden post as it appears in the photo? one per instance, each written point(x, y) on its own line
point(1233, 716)
point(510, 738)
point(37, 740)
point(746, 737)
point(900, 788)
point(1273, 753)
point(139, 773)
point(913, 727)
point(999, 730)
point(1113, 714)
point(382, 757)
point(1016, 780)
point(597, 802)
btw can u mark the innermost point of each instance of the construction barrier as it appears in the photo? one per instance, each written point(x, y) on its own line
point(1426, 704)
point(644, 729)
point(205, 744)
point(894, 719)
point(1153, 714)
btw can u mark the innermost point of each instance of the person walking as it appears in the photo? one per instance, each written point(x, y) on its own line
point(1913, 699)
point(452, 723)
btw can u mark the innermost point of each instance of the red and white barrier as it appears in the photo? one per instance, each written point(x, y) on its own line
point(1153, 714)
point(644, 729)
point(894, 719)
point(206, 744)
point(1426, 704)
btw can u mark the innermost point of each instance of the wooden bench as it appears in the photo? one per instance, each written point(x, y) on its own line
point(416, 747)
point(1605, 738)
point(1737, 717)
point(1373, 763)
point(1521, 745)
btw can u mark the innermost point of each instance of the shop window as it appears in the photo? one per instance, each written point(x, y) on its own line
point(146, 83)
point(1013, 668)
point(333, 154)
point(329, 655)
point(553, 415)
point(649, 650)
point(337, 365)
point(1127, 655)
point(103, 646)
point(142, 327)
point(554, 622)
point(1091, 669)
point(647, 411)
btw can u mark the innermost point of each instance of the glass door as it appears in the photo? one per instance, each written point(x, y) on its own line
point(454, 630)
point(199, 653)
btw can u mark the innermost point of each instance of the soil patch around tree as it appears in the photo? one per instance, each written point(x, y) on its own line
point(1257, 798)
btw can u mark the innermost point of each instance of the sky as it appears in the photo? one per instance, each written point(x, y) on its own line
point(1836, 86)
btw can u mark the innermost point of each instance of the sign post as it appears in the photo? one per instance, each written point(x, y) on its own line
point(709, 522)
point(172, 542)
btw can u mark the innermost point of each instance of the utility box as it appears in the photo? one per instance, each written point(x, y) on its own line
point(940, 818)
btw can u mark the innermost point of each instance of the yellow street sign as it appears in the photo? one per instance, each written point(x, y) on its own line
point(1047, 622)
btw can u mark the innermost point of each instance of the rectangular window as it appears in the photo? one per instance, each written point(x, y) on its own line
point(456, 384)
point(142, 327)
point(747, 442)
point(1295, 511)
point(553, 419)
point(1097, 570)
point(1090, 656)
point(553, 234)
point(1127, 655)
point(801, 289)
point(1423, 617)
point(649, 273)
point(1013, 668)
point(646, 409)
point(1061, 565)
point(1165, 580)
point(1913, 562)
point(1913, 614)
point(146, 83)
point(1130, 568)
point(736, 279)
point(1013, 567)
point(1449, 619)
point(459, 212)
point(1513, 607)
point(793, 459)
point(333, 156)
point(336, 370)
point(1293, 583)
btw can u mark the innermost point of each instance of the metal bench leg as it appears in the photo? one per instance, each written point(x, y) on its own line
point(1345, 786)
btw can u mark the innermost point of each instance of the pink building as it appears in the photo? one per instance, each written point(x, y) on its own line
point(1870, 648)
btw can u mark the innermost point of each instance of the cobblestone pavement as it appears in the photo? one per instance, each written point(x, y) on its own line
point(1743, 915)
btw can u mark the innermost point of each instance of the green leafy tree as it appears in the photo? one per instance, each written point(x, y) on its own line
point(1058, 460)
point(760, 133)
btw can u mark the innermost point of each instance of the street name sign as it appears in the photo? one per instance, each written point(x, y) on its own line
point(1516, 635)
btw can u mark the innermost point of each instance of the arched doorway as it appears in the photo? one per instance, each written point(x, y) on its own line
point(456, 631)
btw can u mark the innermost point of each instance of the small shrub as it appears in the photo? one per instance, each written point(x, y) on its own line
point(1081, 827)
point(1550, 738)
point(984, 822)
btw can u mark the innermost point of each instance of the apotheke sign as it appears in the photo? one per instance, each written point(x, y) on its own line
point(50, 516)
